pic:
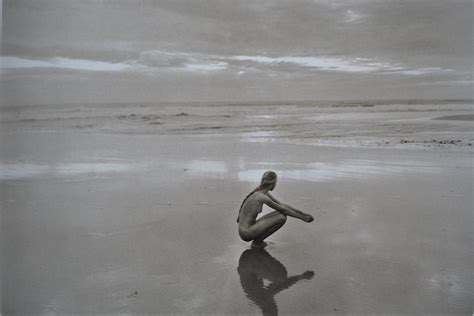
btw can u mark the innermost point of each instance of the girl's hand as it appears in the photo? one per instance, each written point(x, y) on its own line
point(308, 218)
point(308, 275)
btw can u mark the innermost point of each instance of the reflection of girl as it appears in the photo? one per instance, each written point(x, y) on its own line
point(255, 265)
point(258, 230)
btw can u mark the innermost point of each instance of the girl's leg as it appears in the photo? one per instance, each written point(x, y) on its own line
point(266, 226)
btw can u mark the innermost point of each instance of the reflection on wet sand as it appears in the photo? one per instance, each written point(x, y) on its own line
point(257, 264)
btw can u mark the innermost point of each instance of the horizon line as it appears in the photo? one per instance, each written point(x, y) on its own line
point(246, 102)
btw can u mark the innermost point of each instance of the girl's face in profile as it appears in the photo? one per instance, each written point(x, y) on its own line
point(272, 187)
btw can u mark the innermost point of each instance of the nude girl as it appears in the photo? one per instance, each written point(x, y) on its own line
point(251, 229)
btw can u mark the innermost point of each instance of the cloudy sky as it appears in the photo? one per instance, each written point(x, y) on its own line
point(89, 51)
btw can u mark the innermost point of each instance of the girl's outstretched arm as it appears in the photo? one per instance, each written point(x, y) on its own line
point(290, 207)
point(286, 210)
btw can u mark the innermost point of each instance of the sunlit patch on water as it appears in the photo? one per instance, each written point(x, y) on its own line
point(319, 171)
point(14, 171)
point(206, 167)
point(266, 117)
point(257, 135)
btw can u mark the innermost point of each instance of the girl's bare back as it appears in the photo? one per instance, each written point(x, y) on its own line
point(250, 210)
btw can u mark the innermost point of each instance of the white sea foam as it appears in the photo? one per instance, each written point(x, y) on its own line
point(12, 62)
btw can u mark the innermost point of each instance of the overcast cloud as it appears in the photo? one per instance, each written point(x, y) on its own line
point(57, 51)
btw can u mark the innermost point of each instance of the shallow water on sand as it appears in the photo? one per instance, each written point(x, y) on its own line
point(146, 224)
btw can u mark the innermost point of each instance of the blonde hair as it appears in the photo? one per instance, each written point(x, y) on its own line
point(268, 179)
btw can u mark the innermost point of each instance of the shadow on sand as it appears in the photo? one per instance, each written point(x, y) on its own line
point(257, 264)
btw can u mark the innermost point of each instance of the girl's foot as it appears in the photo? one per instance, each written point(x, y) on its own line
point(259, 244)
point(308, 218)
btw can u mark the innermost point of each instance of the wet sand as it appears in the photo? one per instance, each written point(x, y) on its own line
point(95, 221)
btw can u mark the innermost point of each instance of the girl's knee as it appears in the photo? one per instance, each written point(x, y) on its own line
point(246, 238)
point(281, 218)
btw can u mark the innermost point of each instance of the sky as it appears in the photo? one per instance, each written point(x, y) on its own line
point(106, 51)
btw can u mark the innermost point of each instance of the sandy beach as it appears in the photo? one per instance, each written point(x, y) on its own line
point(130, 208)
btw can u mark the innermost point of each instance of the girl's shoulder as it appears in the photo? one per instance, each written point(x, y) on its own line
point(259, 195)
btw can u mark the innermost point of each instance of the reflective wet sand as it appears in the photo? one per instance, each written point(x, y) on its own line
point(146, 224)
